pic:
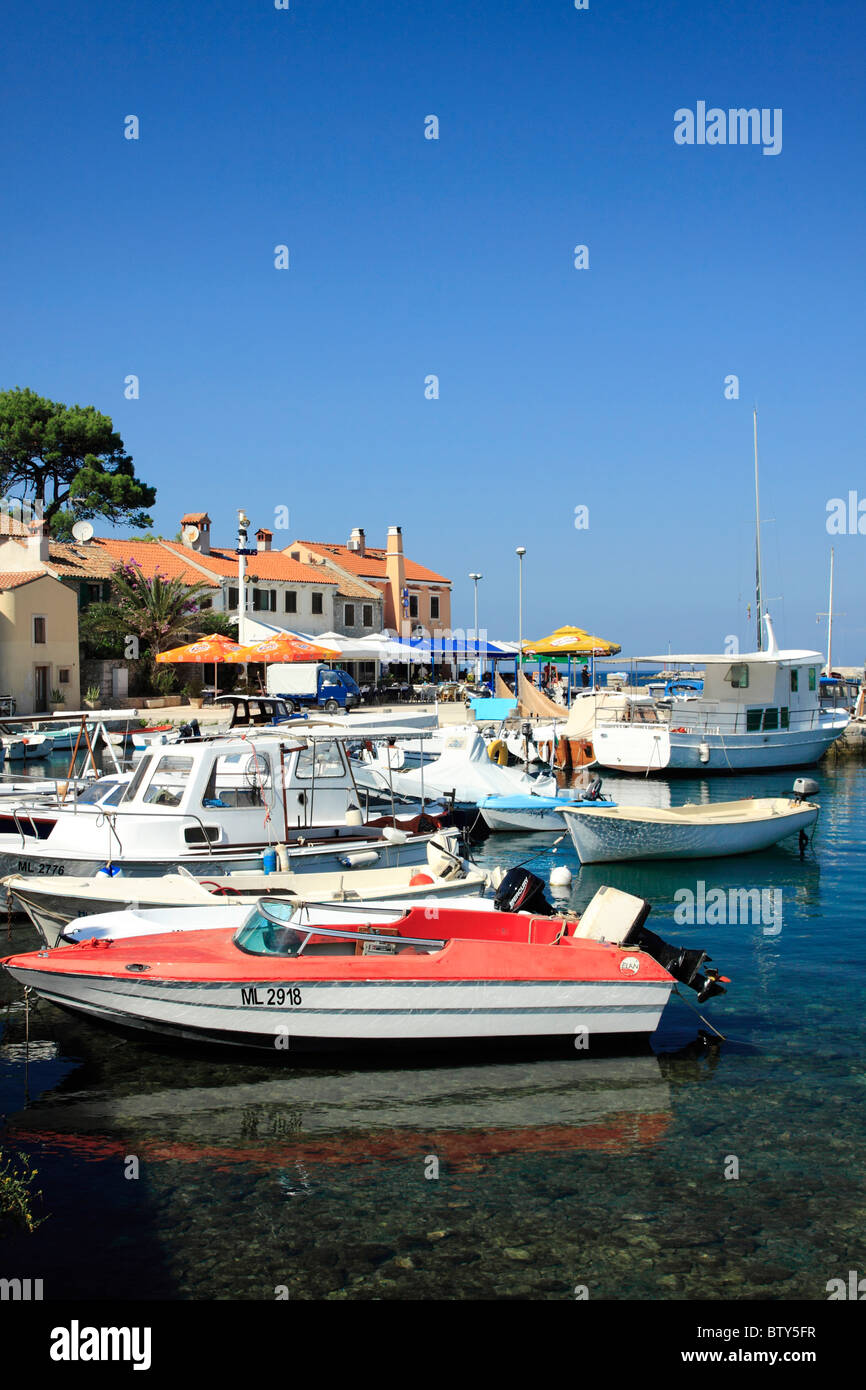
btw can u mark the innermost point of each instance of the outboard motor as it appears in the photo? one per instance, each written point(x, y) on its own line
point(680, 961)
point(521, 891)
point(804, 787)
point(593, 791)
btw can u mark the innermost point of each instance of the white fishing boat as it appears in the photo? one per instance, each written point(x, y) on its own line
point(212, 805)
point(52, 903)
point(757, 710)
point(608, 834)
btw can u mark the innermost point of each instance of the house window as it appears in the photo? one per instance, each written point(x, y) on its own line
point(94, 593)
point(317, 604)
point(349, 615)
point(434, 606)
point(264, 600)
point(291, 601)
point(813, 677)
point(367, 613)
point(233, 598)
point(795, 677)
point(413, 605)
point(205, 603)
point(296, 554)
point(39, 630)
point(63, 675)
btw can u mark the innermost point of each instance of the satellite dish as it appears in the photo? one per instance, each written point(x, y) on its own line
point(82, 531)
point(191, 534)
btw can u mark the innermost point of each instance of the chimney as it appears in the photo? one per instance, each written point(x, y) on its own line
point(264, 539)
point(38, 542)
point(395, 570)
point(191, 523)
point(357, 541)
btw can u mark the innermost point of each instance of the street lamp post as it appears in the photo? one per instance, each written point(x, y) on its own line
point(243, 530)
point(475, 578)
point(521, 551)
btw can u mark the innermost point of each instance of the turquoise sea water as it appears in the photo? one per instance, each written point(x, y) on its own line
point(526, 1175)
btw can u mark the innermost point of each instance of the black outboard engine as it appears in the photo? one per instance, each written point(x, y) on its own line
point(593, 791)
point(521, 891)
point(192, 729)
point(681, 962)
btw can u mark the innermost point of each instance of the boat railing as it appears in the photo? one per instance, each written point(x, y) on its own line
point(707, 718)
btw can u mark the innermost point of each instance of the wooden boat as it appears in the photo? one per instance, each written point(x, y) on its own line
point(281, 982)
point(53, 902)
point(606, 834)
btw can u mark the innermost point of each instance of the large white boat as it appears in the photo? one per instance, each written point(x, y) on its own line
point(756, 710)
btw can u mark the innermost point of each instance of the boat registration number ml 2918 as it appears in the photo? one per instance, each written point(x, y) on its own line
point(39, 866)
point(278, 998)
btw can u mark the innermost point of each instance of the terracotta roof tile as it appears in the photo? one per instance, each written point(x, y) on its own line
point(12, 580)
point(264, 565)
point(153, 557)
point(372, 564)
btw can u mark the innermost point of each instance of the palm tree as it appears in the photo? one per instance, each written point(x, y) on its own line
point(160, 612)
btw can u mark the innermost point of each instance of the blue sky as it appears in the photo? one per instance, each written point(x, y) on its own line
point(409, 257)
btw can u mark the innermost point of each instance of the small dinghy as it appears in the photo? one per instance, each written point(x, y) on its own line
point(536, 812)
point(288, 981)
point(606, 834)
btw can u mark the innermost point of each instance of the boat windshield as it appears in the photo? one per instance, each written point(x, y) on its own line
point(105, 791)
point(271, 934)
point(279, 928)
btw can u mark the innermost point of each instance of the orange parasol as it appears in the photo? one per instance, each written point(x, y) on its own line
point(285, 647)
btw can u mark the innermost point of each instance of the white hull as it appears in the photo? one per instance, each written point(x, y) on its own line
point(650, 748)
point(600, 839)
point(373, 1011)
point(52, 908)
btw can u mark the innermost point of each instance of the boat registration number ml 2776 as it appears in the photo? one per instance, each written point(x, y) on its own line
point(279, 998)
point(29, 866)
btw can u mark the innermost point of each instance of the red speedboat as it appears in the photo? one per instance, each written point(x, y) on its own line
point(434, 972)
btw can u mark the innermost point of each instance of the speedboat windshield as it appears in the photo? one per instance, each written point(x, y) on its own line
point(268, 931)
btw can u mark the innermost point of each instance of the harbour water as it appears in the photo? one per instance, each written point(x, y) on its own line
point(664, 1171)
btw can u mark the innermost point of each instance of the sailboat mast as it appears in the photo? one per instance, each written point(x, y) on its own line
point(758, 579)
point(830, 621)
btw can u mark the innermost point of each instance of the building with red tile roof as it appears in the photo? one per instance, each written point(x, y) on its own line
point(413, 595)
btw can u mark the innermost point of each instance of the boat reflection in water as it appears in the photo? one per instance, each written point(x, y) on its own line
point(462, 1114)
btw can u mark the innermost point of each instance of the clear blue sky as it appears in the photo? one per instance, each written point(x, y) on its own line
point(604, 387)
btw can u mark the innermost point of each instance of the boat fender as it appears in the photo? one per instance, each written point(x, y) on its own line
point(704, 752)
point(417, 880)
point(393, 835)
point(110, 870)
point(360, 858)
point(497, 752)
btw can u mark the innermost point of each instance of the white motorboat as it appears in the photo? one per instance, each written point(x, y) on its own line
point(212, 805)
point(607, 834)
point(52, 903)
point(756, 710)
